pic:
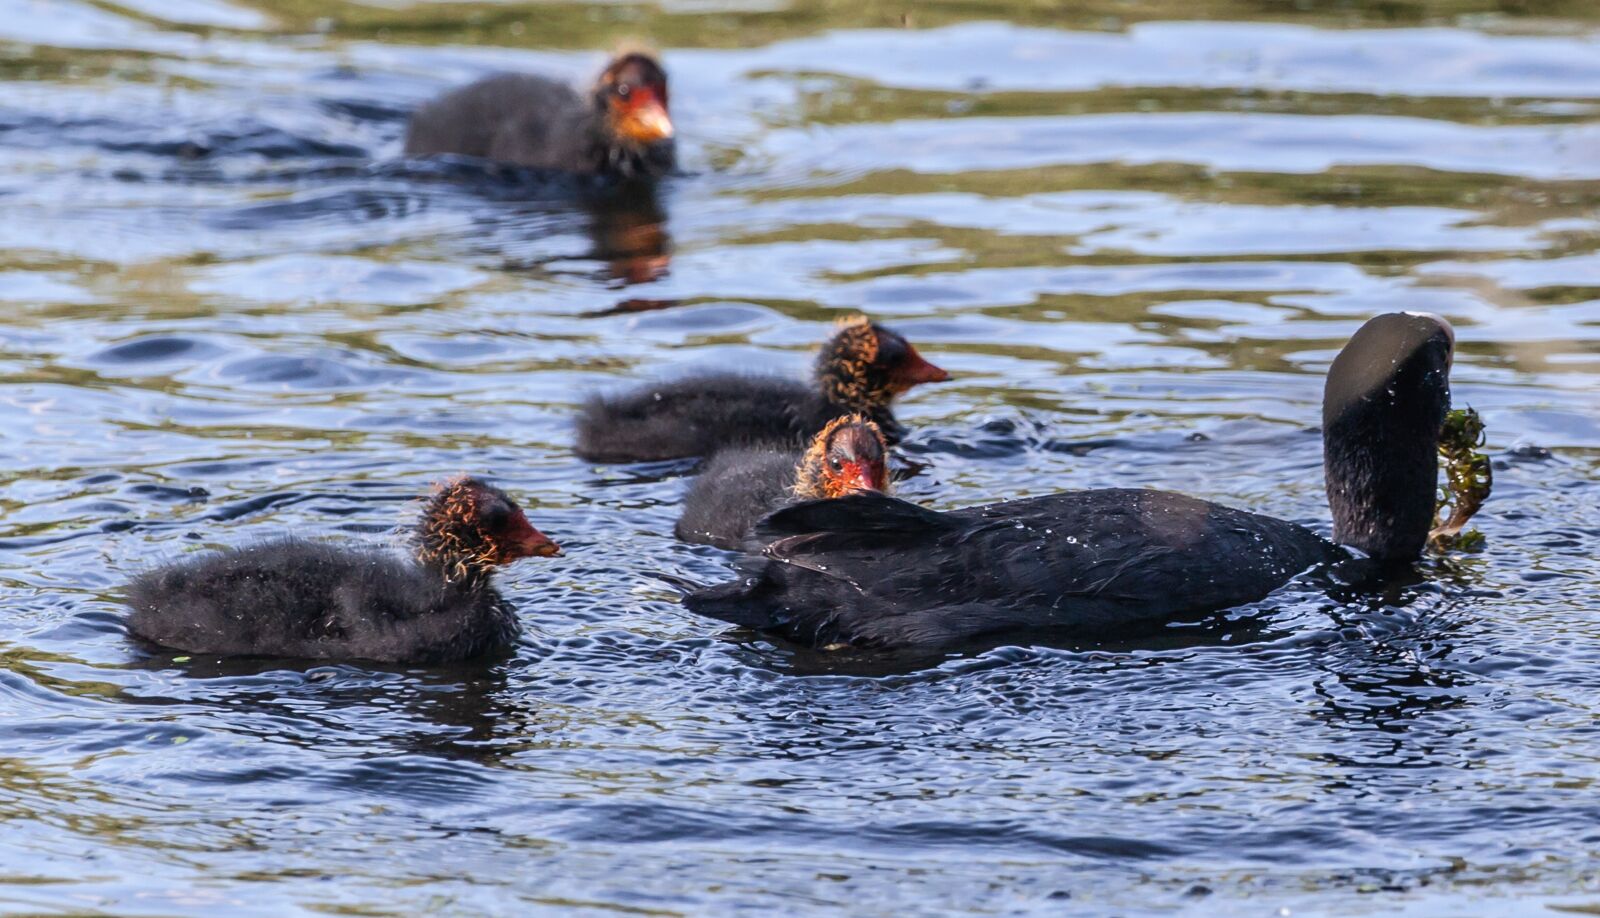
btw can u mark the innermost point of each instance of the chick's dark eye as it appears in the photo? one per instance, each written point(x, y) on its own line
point(891, 349)
point(497, 516)
point(624, 90)
point(835, 463)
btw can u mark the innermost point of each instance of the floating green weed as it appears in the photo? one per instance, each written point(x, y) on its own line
point(1468, 479)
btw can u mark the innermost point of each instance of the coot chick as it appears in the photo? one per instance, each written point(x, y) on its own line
point(737, 487)
point(620, 130)
point(873, 571)
point(860, 370)
point(297, 598)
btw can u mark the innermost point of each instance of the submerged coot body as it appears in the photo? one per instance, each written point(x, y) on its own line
point(621, 130)
point(871, 570)
point(737, 487)
point(860, 370)
point(316, 600)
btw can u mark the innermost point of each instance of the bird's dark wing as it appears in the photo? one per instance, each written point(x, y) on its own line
point(856, 521)
point(876, 571)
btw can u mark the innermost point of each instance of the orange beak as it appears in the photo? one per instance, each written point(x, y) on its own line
point(643, 119)
point(914, 370)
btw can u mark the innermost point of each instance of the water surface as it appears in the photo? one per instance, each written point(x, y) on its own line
point(1137, 241)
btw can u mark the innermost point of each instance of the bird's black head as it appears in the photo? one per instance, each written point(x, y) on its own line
point(631, 96)
point(1383, 408)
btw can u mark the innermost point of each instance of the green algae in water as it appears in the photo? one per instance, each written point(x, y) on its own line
point(1468, 479)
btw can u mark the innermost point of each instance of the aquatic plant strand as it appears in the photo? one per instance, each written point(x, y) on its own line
point(1468, 479)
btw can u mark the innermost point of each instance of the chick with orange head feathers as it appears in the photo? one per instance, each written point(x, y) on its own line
point(861, 370)
point(739, 486)
point(293, 597)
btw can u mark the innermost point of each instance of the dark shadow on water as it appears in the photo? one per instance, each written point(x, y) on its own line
point(1001, 649)
point(627, 221)
point(994, 438)
point(453, 711)
point(457, 711)
point(1396, 666)
point(365, 110)
point(635, 305)
point(497, 181)
point(1357, 587)
point(631, 238)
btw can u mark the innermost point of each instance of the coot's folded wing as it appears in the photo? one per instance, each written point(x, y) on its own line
point(796, 589)
point(873, 570)
point(893, 573)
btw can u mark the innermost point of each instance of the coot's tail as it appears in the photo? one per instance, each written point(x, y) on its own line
point(683, 585)
point(737, 602)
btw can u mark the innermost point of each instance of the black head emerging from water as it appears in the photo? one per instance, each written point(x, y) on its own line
point(864, 366)
point(631, 95)
point(1386, 398)
point(470, 527)
point(848, 455)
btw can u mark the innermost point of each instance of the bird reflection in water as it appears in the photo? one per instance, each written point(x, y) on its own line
point(629, 229)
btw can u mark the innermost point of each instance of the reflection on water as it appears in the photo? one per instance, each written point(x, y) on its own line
point(631, 237)
point(1137, 232)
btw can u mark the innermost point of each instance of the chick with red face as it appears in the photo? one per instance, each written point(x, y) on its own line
point(737, 487)
point(621, 129)
point(469, 528)
point(632, 92)
point(848, 455)
point(293, 597)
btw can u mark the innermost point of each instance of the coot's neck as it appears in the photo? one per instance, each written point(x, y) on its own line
point(1384, 405)
point(450, 565)
point(461, 576)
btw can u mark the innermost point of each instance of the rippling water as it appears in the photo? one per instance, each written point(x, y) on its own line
point(232, 309)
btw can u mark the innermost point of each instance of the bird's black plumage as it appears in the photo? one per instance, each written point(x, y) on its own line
point(541, 123)
point(871, 570)
point(700, 414)
point(291, 597)
point(875, 571)
point(298, 598)
point(1383, 406)
point(736, 488)
point(860, 370)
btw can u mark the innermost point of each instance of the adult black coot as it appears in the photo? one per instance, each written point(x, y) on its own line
point(860, 370)
point(620, 130)
point(296, 598)
point(737, 487)
point(872, 571)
